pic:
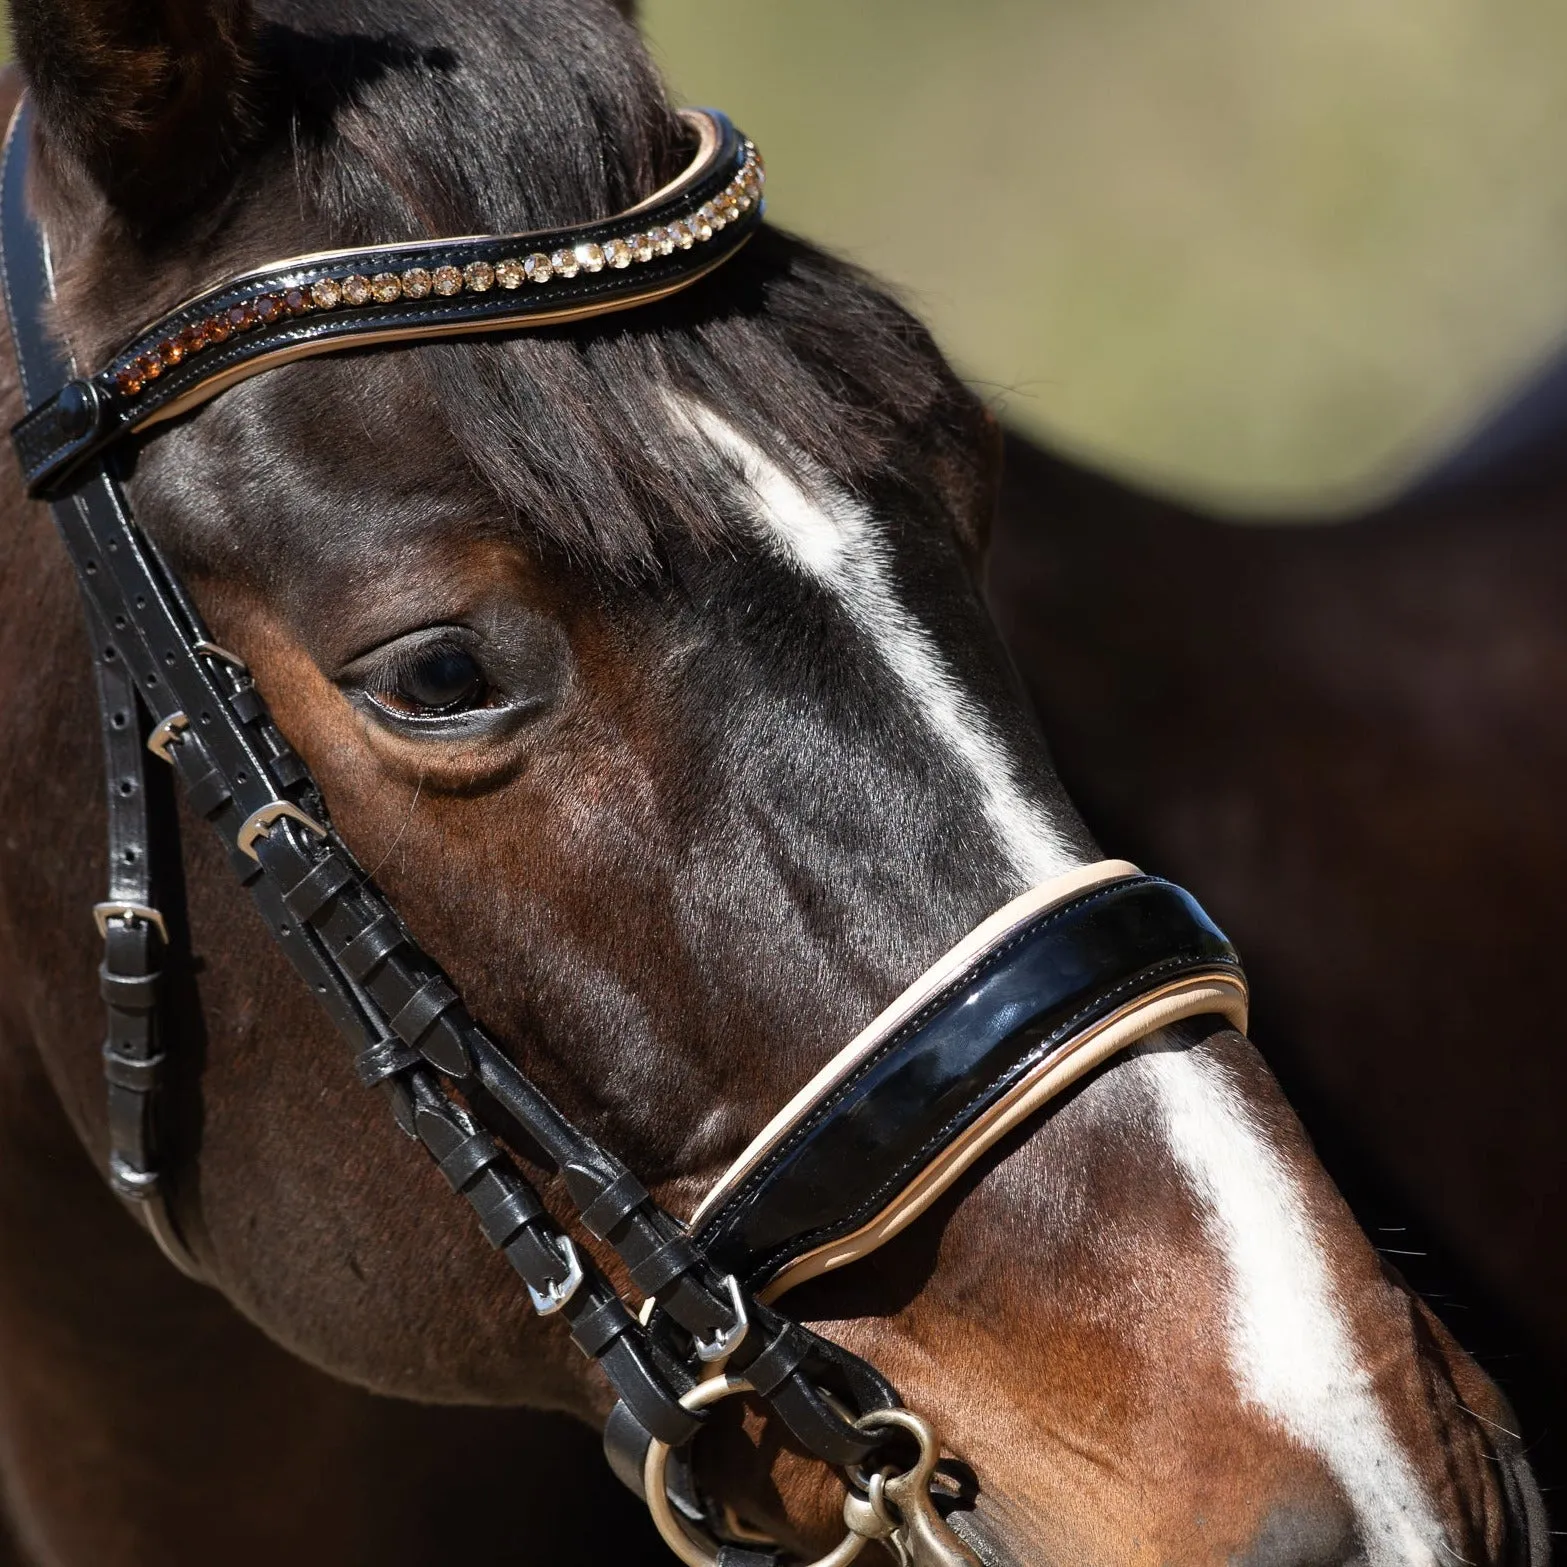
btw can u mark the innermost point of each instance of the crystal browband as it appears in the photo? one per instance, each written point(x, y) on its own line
point(342, 299)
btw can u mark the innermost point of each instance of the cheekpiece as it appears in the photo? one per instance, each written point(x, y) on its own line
point(382, 294)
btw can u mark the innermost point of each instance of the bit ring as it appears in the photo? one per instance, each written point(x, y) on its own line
point(694, 1548)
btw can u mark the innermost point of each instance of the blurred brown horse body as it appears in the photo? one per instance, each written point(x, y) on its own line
point(1358, 754)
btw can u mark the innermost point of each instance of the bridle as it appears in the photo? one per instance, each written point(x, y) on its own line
point(1052, 985)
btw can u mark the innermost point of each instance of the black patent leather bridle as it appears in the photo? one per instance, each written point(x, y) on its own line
point(1056, 982)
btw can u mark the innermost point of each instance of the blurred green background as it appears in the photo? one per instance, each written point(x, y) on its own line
point(1265, 253)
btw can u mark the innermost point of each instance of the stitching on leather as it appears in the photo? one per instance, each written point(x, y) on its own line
point(750, 1190)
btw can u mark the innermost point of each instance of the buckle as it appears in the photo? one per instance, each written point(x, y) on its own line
point(550, 1299)
point(165, 734)
point(259, 823)
point(131, 913)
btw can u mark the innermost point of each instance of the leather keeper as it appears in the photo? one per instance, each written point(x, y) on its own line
point(364, 953)
point(657, 1271)
point(129, 992)
point(422, 1011)
point(386, 1057)
point(777, 1362)
point(599, 1326)
point(209, 793)
point(317, 887)
point(467, 1159)
point(502, 1209)
point(622, 1197)
point(247, 704)
point(137, 1074)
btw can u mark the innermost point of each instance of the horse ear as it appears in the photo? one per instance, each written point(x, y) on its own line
point(146, 95)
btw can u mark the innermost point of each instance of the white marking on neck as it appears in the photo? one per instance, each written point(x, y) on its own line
point(1290, 1349)
point(833, 539)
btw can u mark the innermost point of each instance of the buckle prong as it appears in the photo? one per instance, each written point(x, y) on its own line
point(550, 1299)
point(102, 913)
point(260, 822)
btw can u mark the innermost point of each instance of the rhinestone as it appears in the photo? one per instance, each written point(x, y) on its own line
point(416, 283)
point(564, 263)
point(446, 281)
point(216, 329)
point(641, 247)
point(296, 301)
point(701, 226)
point(326, 295)
point(243, 317)
point(170, 352)
point(712, 214)
point(192, 340)
point(661, 240)
point(540, 268)
point(741, 200)
point(590, 256)
point(387, 288)
point(618, 253)
point(681, 234)
point(510, 273)
point(269, 307)
point(128, 381)
point(479, 276)
point(151, 367)
point(356, 289)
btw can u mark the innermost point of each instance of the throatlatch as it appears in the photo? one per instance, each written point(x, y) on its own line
point(1053, 984)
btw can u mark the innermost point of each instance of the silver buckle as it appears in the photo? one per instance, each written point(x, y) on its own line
point(165, 734)
point(213, 650)
point(550, 1299)
point(723, 1344)
point(131, 913)
point(259, 823)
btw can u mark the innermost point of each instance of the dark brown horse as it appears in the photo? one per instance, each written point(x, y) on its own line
point(1357, 751)
point(644, 664)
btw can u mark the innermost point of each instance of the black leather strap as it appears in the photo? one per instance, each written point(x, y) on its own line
point(926, 1085)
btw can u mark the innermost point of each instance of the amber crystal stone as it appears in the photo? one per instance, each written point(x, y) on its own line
point(243, 317)
point(539, 267)
point(590, 257)
point(151, 367)
point(662, 241)
point(296, 301)
point(171, 352)
point(680, 232)
point(416, 283)
point(510, 273)
point(479, 276)
point(564, 263)
point(193, 339)
point(216, 329)
point(356, 289)
point(269, 307)
point(325, 294)
point(386, 288)
point(446, 281)
point(128, 381)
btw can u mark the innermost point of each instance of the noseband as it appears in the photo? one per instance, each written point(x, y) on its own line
point(1052, 985)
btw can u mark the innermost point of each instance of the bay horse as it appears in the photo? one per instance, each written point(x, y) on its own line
point(643, 663)
point(1369, 737)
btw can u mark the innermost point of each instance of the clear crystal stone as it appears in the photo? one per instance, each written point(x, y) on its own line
point(564, 263)
point(641, 247)
point(590, 257)
point(510, 273)
point(661, 240)
point(540, 268)
point(681, 233)
point(618, 253)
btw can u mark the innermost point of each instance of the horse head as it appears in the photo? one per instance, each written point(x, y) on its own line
point(642, 661)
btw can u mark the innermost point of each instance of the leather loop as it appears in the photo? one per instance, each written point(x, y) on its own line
point(361, 956)
point(600, 1325)
point(503, 1208)
point(128, 992)
point(657, 1271)
point(317, 887)
point(136, 1074)
point(621, 1197)
point(422, 1010)
point(467, 1159)
point(383, 1058)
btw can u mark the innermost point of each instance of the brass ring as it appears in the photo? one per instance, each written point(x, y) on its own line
point(694, 1548)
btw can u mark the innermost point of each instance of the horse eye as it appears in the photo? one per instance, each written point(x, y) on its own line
point(435, 682)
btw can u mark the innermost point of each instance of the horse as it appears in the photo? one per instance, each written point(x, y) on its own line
point(643, 662)
point(1367, 735)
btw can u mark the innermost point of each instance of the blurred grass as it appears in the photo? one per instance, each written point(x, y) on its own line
point(1267, 254)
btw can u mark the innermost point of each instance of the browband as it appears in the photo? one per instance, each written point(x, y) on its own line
point(339, 299)
point(1059, 980)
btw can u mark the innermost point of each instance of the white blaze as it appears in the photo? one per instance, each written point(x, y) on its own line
point(832, 538)
point(1290, 1348)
